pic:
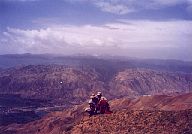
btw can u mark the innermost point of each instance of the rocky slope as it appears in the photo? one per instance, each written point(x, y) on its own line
point(123, 121)
point(137, 122)
point(135, 82)
point(156, 102)
point(141, 115)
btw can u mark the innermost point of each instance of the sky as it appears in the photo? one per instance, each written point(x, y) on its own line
point(135, 28)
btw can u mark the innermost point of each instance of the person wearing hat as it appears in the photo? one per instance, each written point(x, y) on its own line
point(98, 107)
point(94, 99)
point(91, 109)
point(93, 104)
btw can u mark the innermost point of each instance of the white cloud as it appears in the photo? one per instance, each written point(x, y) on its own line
point(110, 38)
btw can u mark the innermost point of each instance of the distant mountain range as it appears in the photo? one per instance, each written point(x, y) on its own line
point(98, 62)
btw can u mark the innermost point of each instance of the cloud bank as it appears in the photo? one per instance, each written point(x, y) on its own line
point(113, 38)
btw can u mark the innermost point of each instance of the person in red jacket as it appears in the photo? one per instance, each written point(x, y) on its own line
point(104, 106)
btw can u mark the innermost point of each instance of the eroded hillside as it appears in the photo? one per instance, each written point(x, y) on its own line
point(136, 82)
point(57, 83)
point(68, 85)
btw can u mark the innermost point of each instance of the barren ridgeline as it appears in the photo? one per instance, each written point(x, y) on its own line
point(148, 114)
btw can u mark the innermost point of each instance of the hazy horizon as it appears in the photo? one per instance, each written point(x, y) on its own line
point(154, 29)
point(101, 56)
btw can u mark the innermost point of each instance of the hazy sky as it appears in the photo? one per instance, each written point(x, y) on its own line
point(135, 28)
